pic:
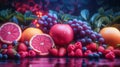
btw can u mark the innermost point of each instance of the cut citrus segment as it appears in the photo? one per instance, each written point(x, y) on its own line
point(10, 32)
point(41, 43)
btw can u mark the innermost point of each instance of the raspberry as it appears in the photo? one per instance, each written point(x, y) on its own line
point(62, 52)
point(78, 53)
point(110, 48)
point(10, 46)
point(22, 47)
point(101, 49)
point(110, 56)
point(87, 53)
point(92, 46)
point(71, 47)
point(78, 45)
point(71, 54)
point(117, 52)
point(11, 52)
point(22, 54)
point(106, 51)
point(53, 51)
point(31, 53)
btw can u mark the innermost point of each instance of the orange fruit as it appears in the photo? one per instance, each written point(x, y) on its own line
point(29, 32)
point(111, 35)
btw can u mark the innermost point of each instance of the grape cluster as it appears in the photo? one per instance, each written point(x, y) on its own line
point(84, 33)
point(47, 21)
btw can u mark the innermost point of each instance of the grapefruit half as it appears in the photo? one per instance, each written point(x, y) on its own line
point(10, 32)
point(41, 43)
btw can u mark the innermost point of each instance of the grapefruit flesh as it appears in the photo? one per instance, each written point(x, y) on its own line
point(10, 32)
point(41, 43)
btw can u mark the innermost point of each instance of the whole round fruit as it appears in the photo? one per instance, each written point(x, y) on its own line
point(10, 32)
point(41, 43)
point(111, 35)
point(29, 32)
point(62, 34)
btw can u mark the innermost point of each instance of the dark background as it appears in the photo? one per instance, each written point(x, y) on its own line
point(67, 6)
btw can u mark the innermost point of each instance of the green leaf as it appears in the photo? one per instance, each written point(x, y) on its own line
point(103, 20)
point(2, 19)
point(10, 16)
point(101, 10)
point(27, 13)
point(95, 17)
point(14, 19)
point(85, 14)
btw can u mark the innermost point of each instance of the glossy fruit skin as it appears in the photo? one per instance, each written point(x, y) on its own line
point(22, 47)
point(29, 32)
point(31, 53)
point(71, 47)
point(62, 34)
point(78, 53)
point(111, 35)
point(62, 52)
point(110, 56)
point(53, 51)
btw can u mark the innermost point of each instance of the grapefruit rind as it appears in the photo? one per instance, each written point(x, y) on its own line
point(38, 51)
point(19, 30)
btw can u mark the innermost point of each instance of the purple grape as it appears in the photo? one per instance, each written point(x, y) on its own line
point(82, 33)
point(83, 41)
point(88, 32)
point(88, 40)
point(93, 37)
point(80, 28)
point(101, 40)
point(47, 21)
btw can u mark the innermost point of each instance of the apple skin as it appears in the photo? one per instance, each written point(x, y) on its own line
point(62, 34)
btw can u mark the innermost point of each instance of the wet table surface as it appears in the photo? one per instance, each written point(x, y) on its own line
point(59, 62)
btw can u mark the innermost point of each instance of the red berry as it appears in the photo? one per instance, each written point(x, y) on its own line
point(106, 51)
point(78, 45)
point(110, 56)
point(10, 46)
point(92, 46)
point(70, 48)
point(31, 53)
point(78, 53)
point(87, 53)
point(11, 52)
point(117, 52)
point(101, 49)
point(110, 48)
point(22, 47)
point(62, 52)
point(53, 51)
point(71, 54)
point(22, 54)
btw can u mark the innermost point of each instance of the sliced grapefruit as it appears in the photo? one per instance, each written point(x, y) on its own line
point(10, 32)
point(41, 43)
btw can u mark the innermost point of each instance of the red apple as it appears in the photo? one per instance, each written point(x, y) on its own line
point(62, 34)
